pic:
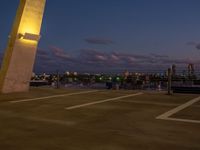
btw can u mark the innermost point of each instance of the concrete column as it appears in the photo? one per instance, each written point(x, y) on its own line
point(19, 56)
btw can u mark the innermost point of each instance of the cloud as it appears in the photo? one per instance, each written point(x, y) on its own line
point(130, 58)
point(111, 60)
point(114, 57)
point(191, 43)
point(194, 44)
point(98, 61)
point(100, 41)
point(174, 61)
point(92, 55)
point(42, 55)
point(198, 46)
point(159, 56)
point(59, 53)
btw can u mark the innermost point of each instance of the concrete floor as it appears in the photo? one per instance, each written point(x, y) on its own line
point(122, 124)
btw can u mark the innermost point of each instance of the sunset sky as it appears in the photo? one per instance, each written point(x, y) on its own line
point(113, 35)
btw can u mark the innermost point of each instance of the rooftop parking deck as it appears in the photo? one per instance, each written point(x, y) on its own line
point(75, 119)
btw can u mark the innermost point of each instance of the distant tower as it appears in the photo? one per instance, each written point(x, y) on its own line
point(173, 70)
point(126, 74)
point(190, 69)
point(17, 66)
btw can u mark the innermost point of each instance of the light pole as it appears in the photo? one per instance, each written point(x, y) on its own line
point(58, 78)
point(169, 83)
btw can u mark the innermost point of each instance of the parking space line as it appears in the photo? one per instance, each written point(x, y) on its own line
point(102, 101)
point(53, 96)
point(50, 121)
point(179, 108)
point(166, 115)
point(183, 120)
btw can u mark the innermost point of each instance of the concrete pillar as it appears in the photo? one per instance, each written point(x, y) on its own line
point(19, 57)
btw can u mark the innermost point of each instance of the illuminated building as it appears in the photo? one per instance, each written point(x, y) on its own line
point(173, 70)
point(190, 69)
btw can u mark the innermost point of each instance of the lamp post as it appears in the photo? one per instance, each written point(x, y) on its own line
point(169, 83)
point(58, 78)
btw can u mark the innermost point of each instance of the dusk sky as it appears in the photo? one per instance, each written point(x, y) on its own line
point(113, 35)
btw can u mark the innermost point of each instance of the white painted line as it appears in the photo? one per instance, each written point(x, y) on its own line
point(102, 101)
point(183, 120)
point(166, 116)
point(179, 108)
point(51, 121)
point(53, 96)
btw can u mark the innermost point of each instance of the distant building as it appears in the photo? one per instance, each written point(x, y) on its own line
point(126, 74)
point(190, 69)
point(173, 70)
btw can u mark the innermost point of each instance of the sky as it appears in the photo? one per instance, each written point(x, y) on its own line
point(113, 35)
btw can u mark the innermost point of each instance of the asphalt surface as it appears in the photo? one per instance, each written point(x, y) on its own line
point(116, 124)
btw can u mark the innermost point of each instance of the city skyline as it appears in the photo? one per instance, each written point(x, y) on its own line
point(109, 35)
